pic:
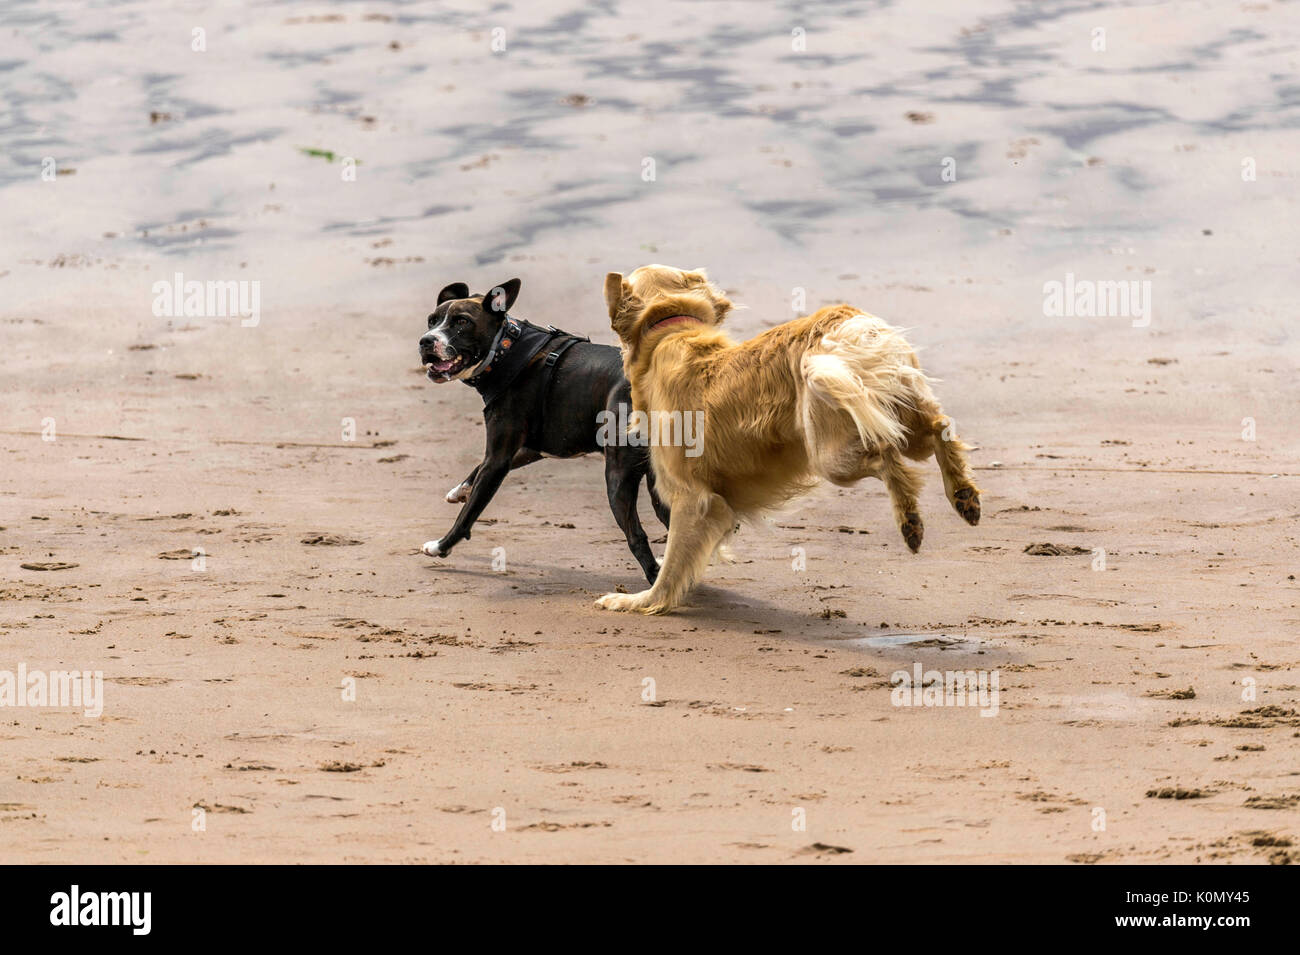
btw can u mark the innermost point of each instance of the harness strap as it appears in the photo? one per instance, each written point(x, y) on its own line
point(548, 372)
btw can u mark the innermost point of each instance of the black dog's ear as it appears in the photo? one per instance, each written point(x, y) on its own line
point(453, 291)
point(502, 297)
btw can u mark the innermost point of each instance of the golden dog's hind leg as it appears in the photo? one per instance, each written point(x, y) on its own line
point(903, 484)
point(958, 483)
point(696, 527)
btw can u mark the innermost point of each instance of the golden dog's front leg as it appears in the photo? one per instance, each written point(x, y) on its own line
point(696, 526)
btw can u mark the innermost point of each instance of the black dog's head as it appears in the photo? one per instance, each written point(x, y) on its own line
point(462, 329)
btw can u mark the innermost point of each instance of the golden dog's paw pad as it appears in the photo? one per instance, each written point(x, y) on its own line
point(966, 501)
point(913, 530)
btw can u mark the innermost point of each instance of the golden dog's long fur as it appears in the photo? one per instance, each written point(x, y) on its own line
point(837, 395)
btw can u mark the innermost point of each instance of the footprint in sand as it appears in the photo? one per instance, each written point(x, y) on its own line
point(329, 540)
point(1055, 550)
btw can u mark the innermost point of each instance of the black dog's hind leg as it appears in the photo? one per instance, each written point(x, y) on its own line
point(622, 482)
point(460, 493)
point(662, 510)
point(493, 470)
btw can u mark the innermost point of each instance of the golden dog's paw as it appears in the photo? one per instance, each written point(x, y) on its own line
point(636, 602)
point(619, 602)
point(913, 530)
point(967, 503)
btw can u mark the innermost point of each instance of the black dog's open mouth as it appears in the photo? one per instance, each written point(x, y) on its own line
point(443, 369)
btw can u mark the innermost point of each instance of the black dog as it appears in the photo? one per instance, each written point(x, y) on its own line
point(545, 393)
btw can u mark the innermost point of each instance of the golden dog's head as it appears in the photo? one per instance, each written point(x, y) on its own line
point(657, 298)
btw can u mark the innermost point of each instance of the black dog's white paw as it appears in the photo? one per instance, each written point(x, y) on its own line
point(433, 549)
point(459, 494)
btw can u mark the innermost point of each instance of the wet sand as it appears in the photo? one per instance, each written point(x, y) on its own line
point(487, 695)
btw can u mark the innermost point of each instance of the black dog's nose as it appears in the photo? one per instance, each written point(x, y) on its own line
point(431, 345)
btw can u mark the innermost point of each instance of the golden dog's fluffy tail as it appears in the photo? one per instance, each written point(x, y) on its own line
point(867, 369)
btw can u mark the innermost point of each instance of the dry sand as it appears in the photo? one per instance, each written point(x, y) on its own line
point(484, 694)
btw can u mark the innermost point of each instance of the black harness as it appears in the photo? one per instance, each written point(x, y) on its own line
point(516, 345)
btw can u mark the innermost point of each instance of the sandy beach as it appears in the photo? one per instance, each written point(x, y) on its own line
point(223, 515)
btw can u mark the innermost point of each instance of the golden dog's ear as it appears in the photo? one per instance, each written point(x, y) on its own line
point(721, 304)
point(621, 303)
point(614, 292)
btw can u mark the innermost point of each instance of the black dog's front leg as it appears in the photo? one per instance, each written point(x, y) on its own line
point(460, 493)
point(487, 480)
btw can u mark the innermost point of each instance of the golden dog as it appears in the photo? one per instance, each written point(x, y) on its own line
point(837, 395)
